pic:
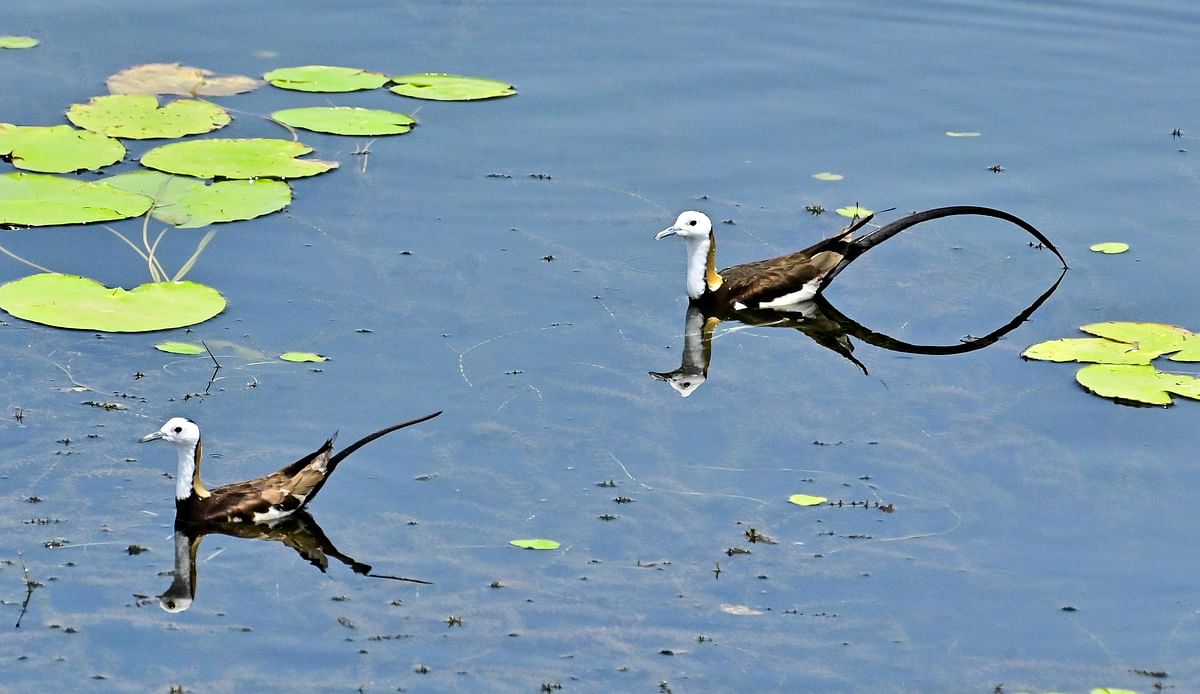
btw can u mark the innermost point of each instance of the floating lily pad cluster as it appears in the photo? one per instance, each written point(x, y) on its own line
point(1120, 357)
point(188, 184)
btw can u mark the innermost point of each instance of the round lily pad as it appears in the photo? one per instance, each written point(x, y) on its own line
point(303, 357)
point(344, 120)
point(806, 500)
point(173, 78)
point(1109, 247)
point(1137, 383)
point(236, 158)
point(325, 78)
point(962, 133)
point(43, 200)
point(853, 211)
point(441, 86)
point(70, 301)
point(139, 117)
point(57, 148)
point(1161, 337)
point(827, 176)
point(1091, 349)
point(17, 42)
point(180, 348)
point(535, 543)
point(189, 203)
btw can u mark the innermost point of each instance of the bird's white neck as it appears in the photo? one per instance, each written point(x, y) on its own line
point(187, 479)
point(701, 265)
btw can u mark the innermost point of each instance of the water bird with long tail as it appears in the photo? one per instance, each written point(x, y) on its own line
point(261, 500)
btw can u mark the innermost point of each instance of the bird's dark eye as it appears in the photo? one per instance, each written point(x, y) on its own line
point(178, 430)
point(692, 223)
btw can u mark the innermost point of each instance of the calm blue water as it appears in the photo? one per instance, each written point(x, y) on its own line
point(1016, 494)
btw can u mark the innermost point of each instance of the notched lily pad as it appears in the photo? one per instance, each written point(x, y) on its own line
point(57, 148)
point(189, 203)
point(344, 120)
point(325, 78)
point(441, 86)
point(806, 500)
point(853, 211)
point(139, 117)
point(1162, 337)
point(1090, 349)
point(43, 200)
point(236, 158)
point(180, 348)
point(535, 543)
point(1142, 384)
point(181, 80)
point(70, 301)
point(1109, 247)
point(303, 357)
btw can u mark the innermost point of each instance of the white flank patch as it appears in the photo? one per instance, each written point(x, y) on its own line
point(804, 294)
point(272, 514)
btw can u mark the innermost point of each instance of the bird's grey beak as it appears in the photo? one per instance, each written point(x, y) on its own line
point(669, 231)
point(151, 437)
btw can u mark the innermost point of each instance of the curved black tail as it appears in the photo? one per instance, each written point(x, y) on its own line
point(337, 457)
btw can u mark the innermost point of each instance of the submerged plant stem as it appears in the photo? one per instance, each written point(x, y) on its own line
point(183, 271)
point(19, 259)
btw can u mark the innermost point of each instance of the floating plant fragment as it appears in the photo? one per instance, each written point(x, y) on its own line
point(180, 348)
point(325, 78)
point(42, 200)
point(1137, 383)
point(303, 357)
point(139, 117)
point(806, 500)
point(827, 176)
point(70, 301)
point(236, 158)
point(854, 211)
point(57, 148)
point(441, 86)
point(18, 42)
point(344, 120)
point(181, 80)
point(1109, 247)
point(189, 203)
point(535, 543)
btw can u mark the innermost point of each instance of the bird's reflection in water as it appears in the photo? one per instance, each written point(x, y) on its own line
point(298, 531)
point(819, 320)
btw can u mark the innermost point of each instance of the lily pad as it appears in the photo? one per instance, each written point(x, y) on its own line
point(806, 500)
point(1137, 383)
point(70, 301)
point(303, 357)
point(18, 42)
point(325, 78)
point(189, 203)
point(962, 133)
point(180, 348)
point(139, 117)
point(441, 86)
point(1109, 247)
point(827, 176)
point(344, 120)
point(1161, 337)
point(57, 148)
point(236, 158)
point(42, 200)
point(182, 80)
point(1091, 349)
point(535, 543)
point(853, 211)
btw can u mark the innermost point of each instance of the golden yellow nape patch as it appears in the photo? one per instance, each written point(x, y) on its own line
point(711, 277)
point(197, 485)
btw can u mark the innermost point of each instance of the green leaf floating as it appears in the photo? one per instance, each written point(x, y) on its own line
point(57, 148)
point(806, 500)
point(1161, 337)
point(180, 348)
point(241, 158)
point(1090, 349)
point(139, 117)
point(853, 211)
point(1137, 383)
point(440, 86)
point(344, 120)
point(69, 301)
point(189, 203)
point(828, 176)
point(17, 42)
point(535, 543)
point(325, 78)
point(1109, 247)
point(42, 200)
point(303, 357)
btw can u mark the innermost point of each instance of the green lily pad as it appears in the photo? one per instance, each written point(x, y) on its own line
point(236, 158)
point(853, 211)
point(344, 120)
point(962, 133)
point(303, 357)
point(535, 544)
point(1090, 349)
point(1160, 337)
point(441, 86)
point(180, 348)
point(189, 203)
point(43, 200)
point(325, 78)
point(1109, 247)
point(70, 301)
point(827, 176)
point(57, 148)
point(139, 117)
point(18, 42)
point(1137, 383)
point(182, 80)
point(806, 500)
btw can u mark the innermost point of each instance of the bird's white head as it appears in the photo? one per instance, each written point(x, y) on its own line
point(689, 225)
point(178, 431)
